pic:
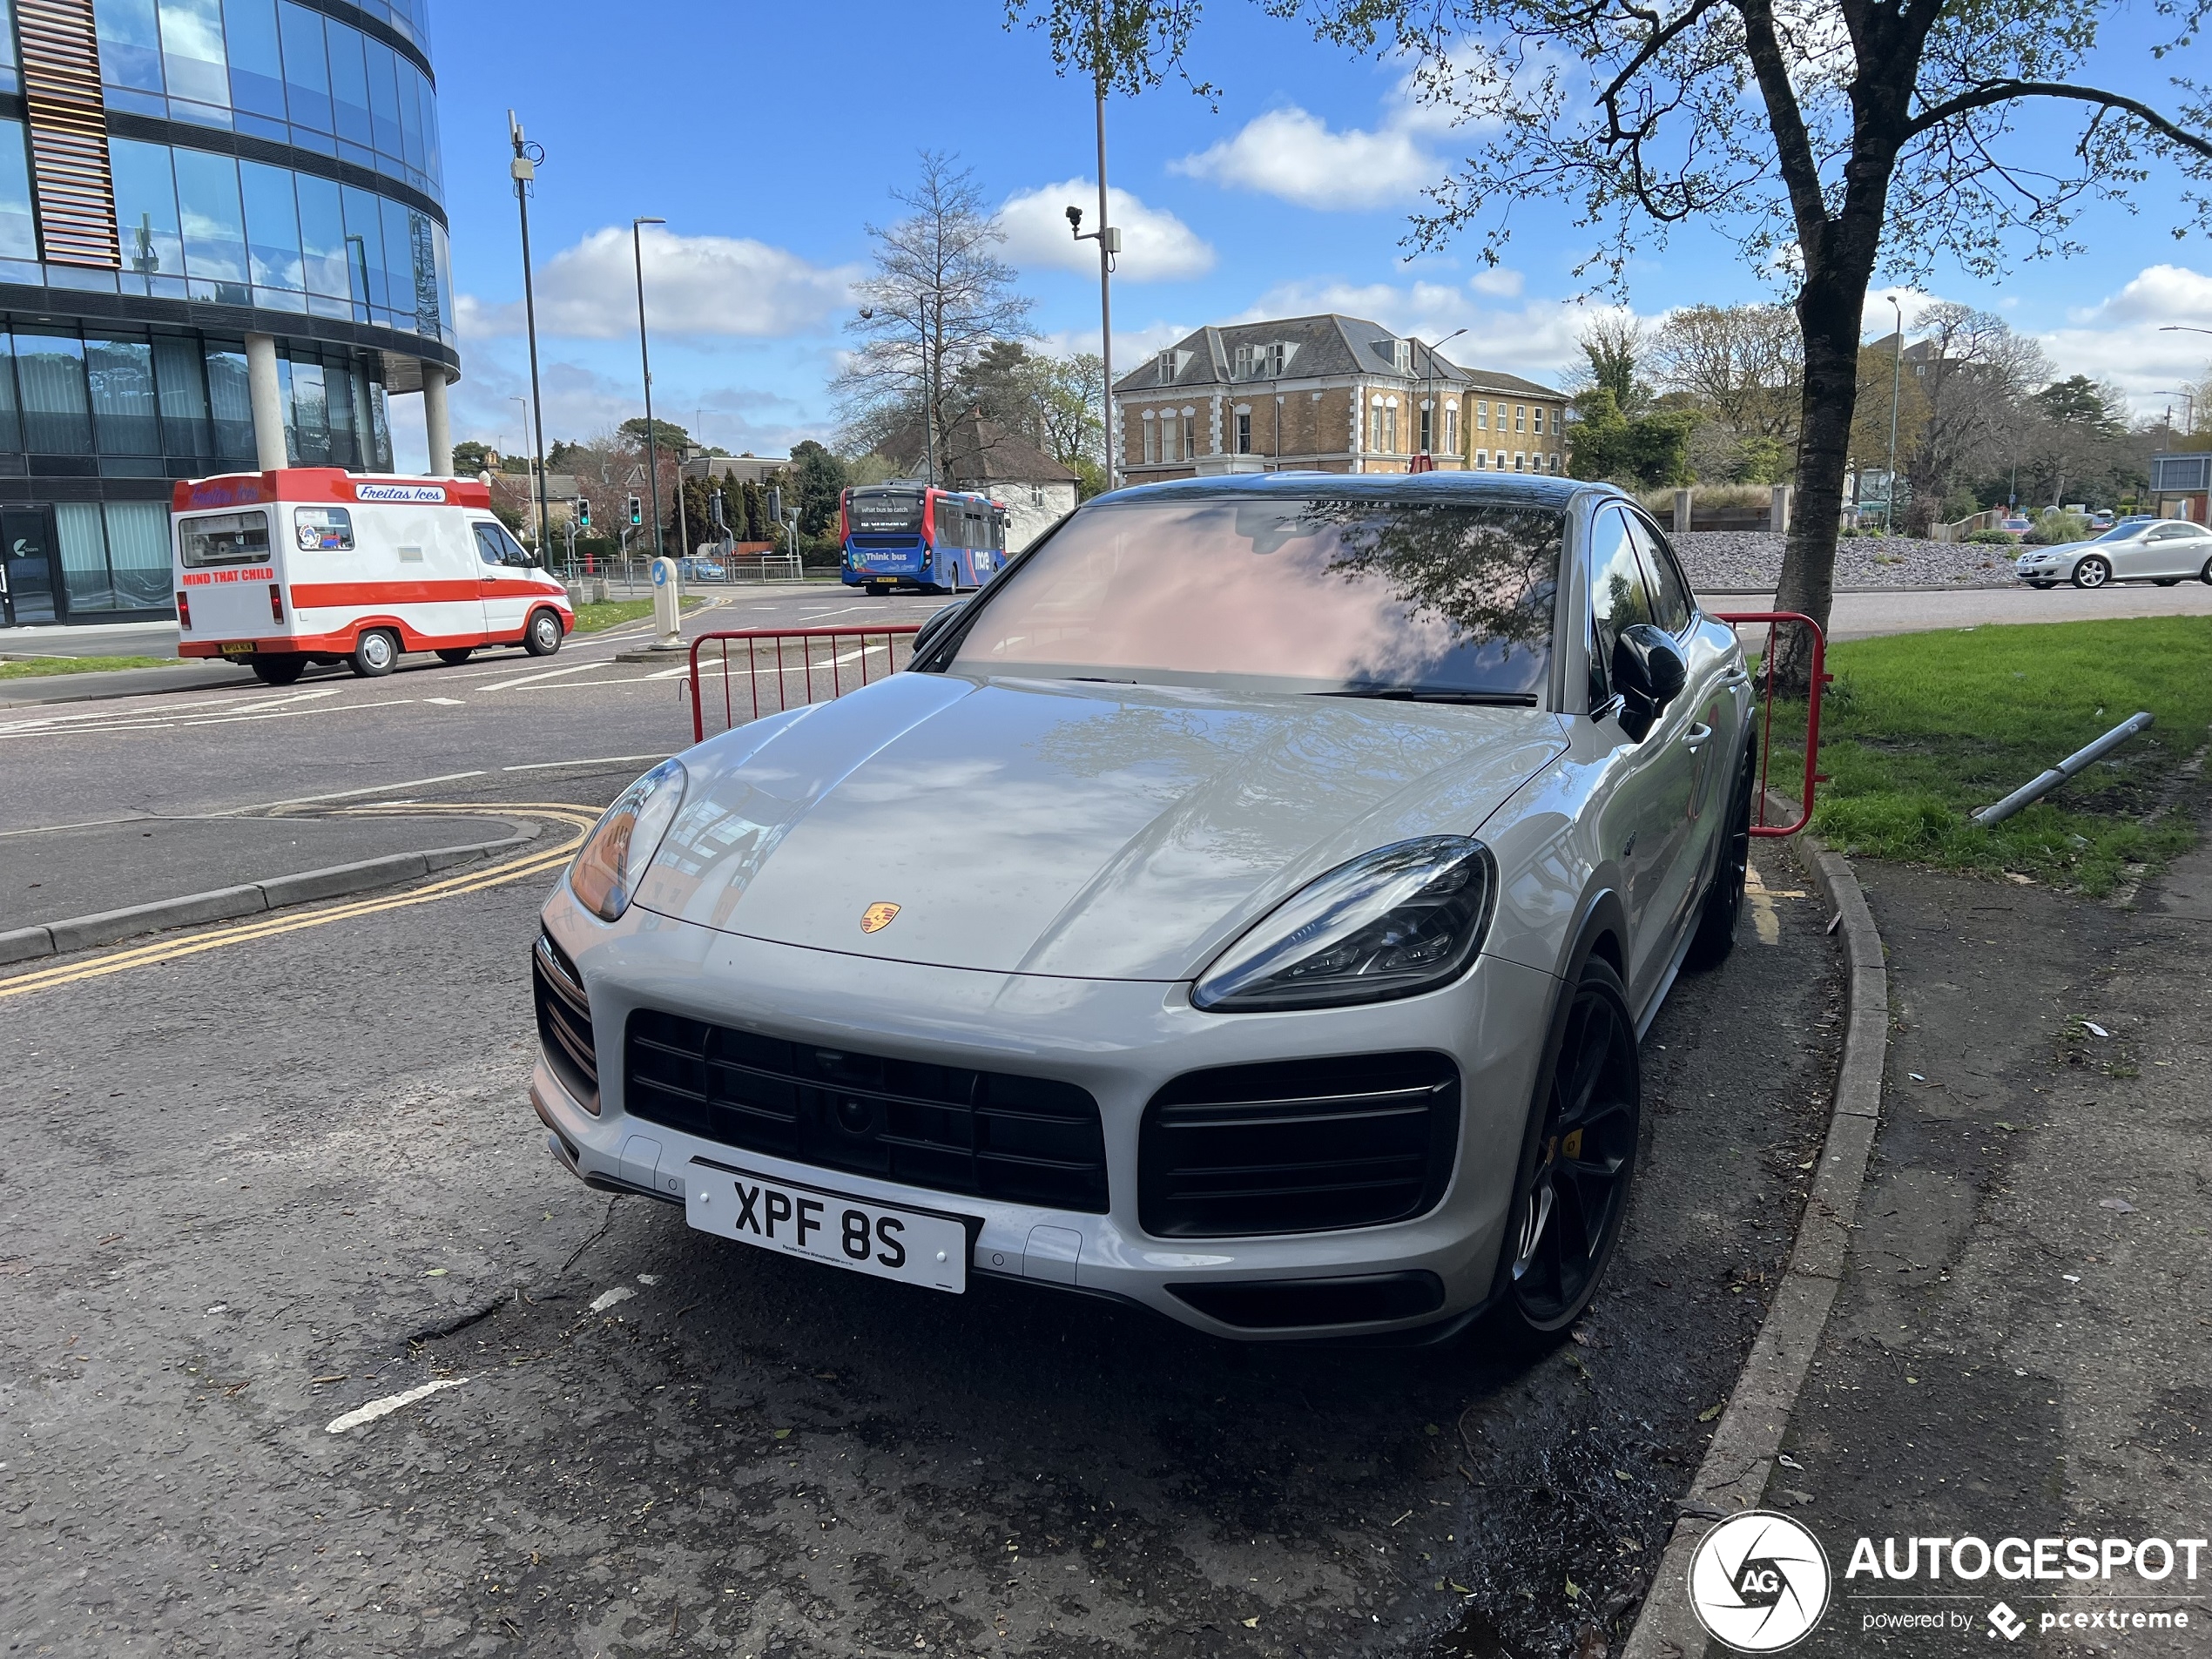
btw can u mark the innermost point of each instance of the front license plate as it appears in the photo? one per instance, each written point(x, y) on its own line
point(237, 648)
point(912, 1246)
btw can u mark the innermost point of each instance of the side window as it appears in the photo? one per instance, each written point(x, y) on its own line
point(488, 544)
point(1670, 602)
point(1619, 598)
point(322, 529)
point(515, 553)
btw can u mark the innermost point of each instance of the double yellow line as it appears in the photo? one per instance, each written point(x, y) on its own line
point(538, 860)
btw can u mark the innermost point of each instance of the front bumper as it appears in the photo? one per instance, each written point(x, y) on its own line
point(1121, 1040)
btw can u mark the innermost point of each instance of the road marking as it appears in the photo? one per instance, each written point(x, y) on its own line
point(1766, 920)
point(601, 760)
point(348, 795)
point(548, 674)
point(536, 861)
point(385, 1407)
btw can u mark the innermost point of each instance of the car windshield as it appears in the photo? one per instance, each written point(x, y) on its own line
point(2126, 529)
point(1352, 596)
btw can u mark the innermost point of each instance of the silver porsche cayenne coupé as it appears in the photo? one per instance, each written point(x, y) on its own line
point(1248, 905)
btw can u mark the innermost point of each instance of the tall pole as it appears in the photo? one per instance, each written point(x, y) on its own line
point(1896, 380)
point(645, 362)
point(1105, 282)
point(931, 348)
point(524, 169)
point(537, 507)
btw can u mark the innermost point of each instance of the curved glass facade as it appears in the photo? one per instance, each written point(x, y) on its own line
point(272, 168)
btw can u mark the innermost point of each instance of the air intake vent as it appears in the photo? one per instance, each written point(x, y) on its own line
point(1025, 1140)
point(1298, 1146)
point(564, 1022)
point(68, 156)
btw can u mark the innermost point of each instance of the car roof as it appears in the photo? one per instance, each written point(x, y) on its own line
point(1514, 488)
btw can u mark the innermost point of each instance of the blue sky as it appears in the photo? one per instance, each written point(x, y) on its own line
point(769, 137)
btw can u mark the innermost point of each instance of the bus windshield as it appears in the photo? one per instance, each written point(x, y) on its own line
point(1446, 601)
point(885, 512)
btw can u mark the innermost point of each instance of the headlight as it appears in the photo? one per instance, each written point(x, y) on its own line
point(1394, 922)
point(616, 851)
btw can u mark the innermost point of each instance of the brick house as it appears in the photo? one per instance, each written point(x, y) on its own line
point(1036, 490)
point(1326, 393)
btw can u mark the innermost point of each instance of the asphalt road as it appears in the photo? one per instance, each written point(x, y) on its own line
point(1912, 610)
point(263, 1176)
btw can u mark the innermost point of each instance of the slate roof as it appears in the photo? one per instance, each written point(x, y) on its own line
point(1329, 345)
point(980, 454)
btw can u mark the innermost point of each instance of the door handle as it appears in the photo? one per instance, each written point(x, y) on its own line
point(1695, 736)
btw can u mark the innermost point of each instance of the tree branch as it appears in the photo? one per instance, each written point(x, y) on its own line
point(1792, 143)
point(1995, 92)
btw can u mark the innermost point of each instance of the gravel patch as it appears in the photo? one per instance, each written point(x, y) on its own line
point(1750, 562)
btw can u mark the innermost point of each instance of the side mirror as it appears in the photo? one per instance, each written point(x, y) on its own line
point(935, 629)
point(1648, 672)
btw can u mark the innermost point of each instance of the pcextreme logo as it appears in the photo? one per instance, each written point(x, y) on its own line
point(1759, 1582)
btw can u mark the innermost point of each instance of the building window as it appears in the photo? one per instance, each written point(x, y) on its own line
point(1452, 428)
point(1151, 439)
point(1167, 366)
point(1244, 432)
point(1036, 494)
point(1481, 457)
point(1189, 436)
point(1278, 357)
point(1401, 356)
point(1482, 415)
point(1428, 419)
point(1555, 462)
point(1520, 461)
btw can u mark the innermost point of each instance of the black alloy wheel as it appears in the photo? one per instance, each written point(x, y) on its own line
point(542, 636)
point(279, 671)
point(456, 655)
point(1566, 1219)
point(2092, 572)
point(1717, 917)
point(2205, 575)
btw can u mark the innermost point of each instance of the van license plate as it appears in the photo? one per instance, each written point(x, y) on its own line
point(912, 1246)
point(237, 648)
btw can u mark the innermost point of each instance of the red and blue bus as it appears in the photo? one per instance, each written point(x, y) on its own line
point(920, 538)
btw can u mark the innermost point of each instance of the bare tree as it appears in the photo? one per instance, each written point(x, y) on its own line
point(1831, 137)
point(1741, 364)
point(940, 296)
point(1975, 376)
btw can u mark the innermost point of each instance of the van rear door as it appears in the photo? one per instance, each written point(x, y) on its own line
point(230, 569)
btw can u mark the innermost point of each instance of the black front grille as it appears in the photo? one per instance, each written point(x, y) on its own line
point(1298, 1146)
point(1025, 1140)
point(564, 1022)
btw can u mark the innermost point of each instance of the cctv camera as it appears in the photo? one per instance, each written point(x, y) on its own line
point(1075, 219)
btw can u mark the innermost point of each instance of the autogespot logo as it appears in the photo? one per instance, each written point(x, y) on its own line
point(1759, 1582)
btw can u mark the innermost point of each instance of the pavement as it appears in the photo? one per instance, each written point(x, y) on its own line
point(267, 1179)
point(2021, 1345)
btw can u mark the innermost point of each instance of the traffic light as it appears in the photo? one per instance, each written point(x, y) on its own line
point(636, 511)
point(583, 513)
point(776, 503)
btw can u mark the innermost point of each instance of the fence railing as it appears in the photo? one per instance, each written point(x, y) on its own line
point(765, 671)
point(1773, 621)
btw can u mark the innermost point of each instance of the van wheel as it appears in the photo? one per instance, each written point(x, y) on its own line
point(375, 654)
point(279, 671)
point(457, 655)
point(542, 636)
point(1573, 1190)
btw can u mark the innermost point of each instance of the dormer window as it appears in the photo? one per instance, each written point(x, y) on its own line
point(1400, 352)
point(1244, 366)
point(1167, 366)
point(1278, 357)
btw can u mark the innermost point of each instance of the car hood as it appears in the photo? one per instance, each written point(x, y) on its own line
point(1089, 831)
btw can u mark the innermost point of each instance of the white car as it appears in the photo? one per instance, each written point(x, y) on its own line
point(2164, 551)
point(1248, 906)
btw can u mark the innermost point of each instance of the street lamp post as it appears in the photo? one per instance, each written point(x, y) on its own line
point(534, 503)
point(1108, 239)
point(645, 363)
point(1429, 393)
point(1896, 382)
point(524, 169)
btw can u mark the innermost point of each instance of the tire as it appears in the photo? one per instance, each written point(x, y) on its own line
point(2169, 582)
point(457, 655)
point(279, 671)
point(1567, 1207)
point(2205, 575)
point(1716, 916)
point(2043, 587)
point(376, 653)
point(2092, 572)
point(541, 635)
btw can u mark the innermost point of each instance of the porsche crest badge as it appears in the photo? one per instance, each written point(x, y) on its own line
point(878, 916)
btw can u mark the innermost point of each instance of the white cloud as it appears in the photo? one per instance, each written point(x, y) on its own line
point(2121, 338)
point(1157, 247)
point(694, 285)
point(1501, 282)
point(1295, 155)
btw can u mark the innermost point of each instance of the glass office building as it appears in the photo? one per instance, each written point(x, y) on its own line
point(222, 246)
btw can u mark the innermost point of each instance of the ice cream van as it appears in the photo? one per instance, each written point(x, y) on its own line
point(315, 564)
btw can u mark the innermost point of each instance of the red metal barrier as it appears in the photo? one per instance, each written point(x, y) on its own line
point(766, 664)
point(1774, 619)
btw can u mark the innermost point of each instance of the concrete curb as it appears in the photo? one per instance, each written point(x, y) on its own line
point(1741, 1455)
point(226, 904)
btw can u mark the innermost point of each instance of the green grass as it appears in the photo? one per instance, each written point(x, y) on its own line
point(591, 619)
point(1920, 730)
point(38, 665)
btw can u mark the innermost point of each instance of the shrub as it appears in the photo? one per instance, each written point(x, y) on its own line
point(1992, 538)
point(2054, 527)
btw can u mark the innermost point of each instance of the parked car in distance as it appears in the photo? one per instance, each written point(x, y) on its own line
point(2019, 524)
point(2164, 551)
point(1246, 905)
point(2101, 520)
point(696, 569)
